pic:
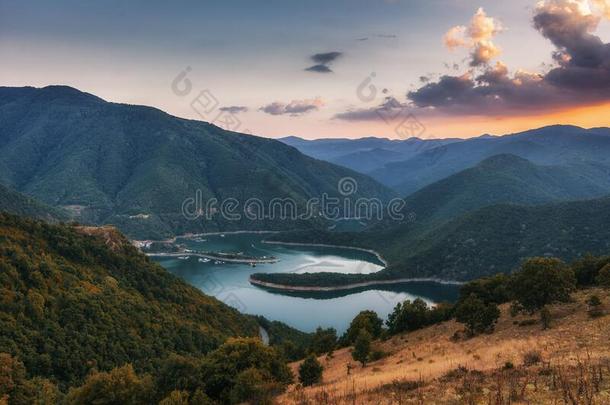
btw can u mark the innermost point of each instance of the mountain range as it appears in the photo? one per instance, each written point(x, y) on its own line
point(559, 145)
point(135, 166)
point(486, 219)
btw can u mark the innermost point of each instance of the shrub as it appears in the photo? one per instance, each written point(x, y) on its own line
point(595, 306)
point(310, 371)
point(542, 281)
point(532, 357)
point(478, 316)
point(603, 278)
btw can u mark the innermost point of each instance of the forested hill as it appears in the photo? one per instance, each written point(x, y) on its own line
point(484, 242)
point(134, 166)
point(71, 303)
point(16, 203)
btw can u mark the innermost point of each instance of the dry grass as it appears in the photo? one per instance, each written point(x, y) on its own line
point(567, 364)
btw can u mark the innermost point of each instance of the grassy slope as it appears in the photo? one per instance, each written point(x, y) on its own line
point(66, 147)
point(72, 301)
point(431, 357)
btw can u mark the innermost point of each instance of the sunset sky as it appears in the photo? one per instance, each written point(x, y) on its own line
point(325, 68)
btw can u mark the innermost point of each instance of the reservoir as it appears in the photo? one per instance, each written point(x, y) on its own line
point(229, 283)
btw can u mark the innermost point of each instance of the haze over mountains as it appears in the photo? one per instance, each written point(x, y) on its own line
point(134, 166)
point(554, 145)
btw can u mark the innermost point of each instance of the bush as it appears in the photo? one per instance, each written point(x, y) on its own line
point(362, 347)
point(603, 278)
point(310, 371)
point(532, 357)
point(377, 355)
point(542, 281)
point(478, 316)
point(595, 306)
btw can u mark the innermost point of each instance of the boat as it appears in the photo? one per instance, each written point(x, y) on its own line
point(252, 264)
point(183, 257)
point(203, 260)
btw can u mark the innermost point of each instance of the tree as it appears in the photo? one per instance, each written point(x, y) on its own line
point(362, 347)
point(119, 386)
point(222, 367)
point(603, 278)
point(323, 340)
point(367, 320)
point(179, 373)
point(478, 316)
point(408, 316)
point(489, 289)
point(254, 386)
point(310, 371)
point(176, 398)
point(542, 281)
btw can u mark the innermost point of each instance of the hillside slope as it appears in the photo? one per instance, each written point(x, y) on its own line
point(430, 367)
point(19, 204)
point(507, 179)
point(73, 301)
point(135, 166)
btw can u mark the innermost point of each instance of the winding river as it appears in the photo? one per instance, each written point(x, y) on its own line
point(304, 310)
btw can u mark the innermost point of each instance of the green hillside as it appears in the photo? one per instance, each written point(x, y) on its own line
point(134, 166)
point(504, 179)
point(76, 301)
point(20, 204)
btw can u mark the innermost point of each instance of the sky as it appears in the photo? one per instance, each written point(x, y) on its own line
point(332, 68)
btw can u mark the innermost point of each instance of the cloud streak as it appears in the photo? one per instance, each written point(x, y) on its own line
point(295, 108)
point(234, 109)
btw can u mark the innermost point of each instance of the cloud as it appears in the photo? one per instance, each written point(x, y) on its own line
point(234, 109)
point(580, 75)
point(322, 60)
point(319, 69)
point(477, 36)
point(386, 111)
point(294, 108)
point(325, 58)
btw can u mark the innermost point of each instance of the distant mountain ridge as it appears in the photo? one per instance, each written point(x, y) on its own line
point(553, 145)
point(134, 166)
point(364, 155)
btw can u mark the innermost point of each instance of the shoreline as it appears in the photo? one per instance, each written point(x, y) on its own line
point(285, 287)
point(212, 257)
point(377, 254)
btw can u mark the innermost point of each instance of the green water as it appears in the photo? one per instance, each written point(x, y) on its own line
point(229, 282)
